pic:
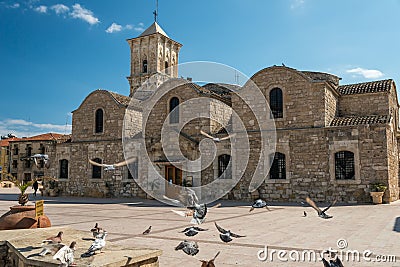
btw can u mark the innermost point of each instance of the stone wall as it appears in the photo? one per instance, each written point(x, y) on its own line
point(83, 119)
point(331, 105)
point(364, 104)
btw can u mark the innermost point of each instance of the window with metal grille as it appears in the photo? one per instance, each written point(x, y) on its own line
point(27, 163)
point(28, 150)
point(276, 103)
point(344, 165)
point(96, 170)
point(144, 66)
point(99, 121)
point(224, 166)
point(64, 168)
point(15, 164)
point(15, 149)
point(278, 167)
point(174, 110)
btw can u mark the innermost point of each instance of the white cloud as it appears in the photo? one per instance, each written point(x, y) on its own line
point(84, 14)
point(15, 5)
point(60, 8)
point(297, 3)
point(41, 9)
point(139, 27)
point(26, 128)
point(369, 74)
point(114, 27)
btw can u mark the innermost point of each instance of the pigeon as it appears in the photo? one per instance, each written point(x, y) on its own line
point(259, 203)
point(193, 230)
point(194, 208)
point(216, 139)
point(226, 234)
point(209, 263)
point(43, 157)
point(51, 243)
point(333, 263)
point(148, 230)
point(96, 230)
point(321, 213)
point(112, 167)
point(98, 244)
point(304, 214)
point(189, 247)
point(66, 255)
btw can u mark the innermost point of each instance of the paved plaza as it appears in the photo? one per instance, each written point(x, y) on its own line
point(363, 227)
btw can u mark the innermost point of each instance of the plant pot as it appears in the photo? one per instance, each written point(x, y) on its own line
point(376, 197)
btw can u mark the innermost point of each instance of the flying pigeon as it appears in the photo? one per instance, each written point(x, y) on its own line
point(259, 203)
point(189, 247)
point(226, 234)
point(98, 244)
point(51, 243)
point(147, 231)
point(333, 263)
point(66, 255)
point(196, 210)
point(216, 139)
point(321, 213)
point(209, 263)
point(112, 167)
point(43, 157)
point(193, 230)
point(96, 230)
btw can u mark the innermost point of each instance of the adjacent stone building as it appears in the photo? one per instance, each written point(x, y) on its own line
point(332, 140)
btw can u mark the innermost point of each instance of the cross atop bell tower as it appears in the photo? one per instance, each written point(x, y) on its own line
point(152, 52)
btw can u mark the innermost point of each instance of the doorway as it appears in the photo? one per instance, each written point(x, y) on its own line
point(173, 175)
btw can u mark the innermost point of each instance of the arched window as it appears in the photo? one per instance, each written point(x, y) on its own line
point(166, 67)
point(278, 167)
point(64, 169)
point(224, 166)
point(144, 66)
point(174, 110)
point(344, 165)
point(276, 103)
point(99, 121)
point(96, 170)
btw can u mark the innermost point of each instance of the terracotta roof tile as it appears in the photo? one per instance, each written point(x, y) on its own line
point(44, 137)
point(349, 121)
point(367, 87)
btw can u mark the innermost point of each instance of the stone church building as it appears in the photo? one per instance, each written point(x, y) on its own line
point(332, 140)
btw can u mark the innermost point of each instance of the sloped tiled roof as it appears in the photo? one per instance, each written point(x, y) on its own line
point(154, 28)
point(359, 120)
point(5, 142)
point(43, 137)
point(122, 99)
point(367, 87)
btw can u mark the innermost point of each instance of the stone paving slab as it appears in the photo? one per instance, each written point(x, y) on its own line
point(27, 243)
point(372, 227)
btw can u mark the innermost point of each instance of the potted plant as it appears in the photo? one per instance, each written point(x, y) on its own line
point(377, 191)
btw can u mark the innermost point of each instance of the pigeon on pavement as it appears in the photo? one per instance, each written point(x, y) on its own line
point(193, 230)
point(189, 247)
point(321, 213)
point(209, 263)
point(98, 244)
point(96, 230)
point(333, 263)
point(66, 255)
point(51, 243)
point(226, 234)
point(148, 230)
point(259, 203)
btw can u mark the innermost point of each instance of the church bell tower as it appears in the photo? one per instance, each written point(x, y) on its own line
point(153, 52)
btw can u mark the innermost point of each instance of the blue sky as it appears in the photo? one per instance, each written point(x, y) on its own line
point(54, 53)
